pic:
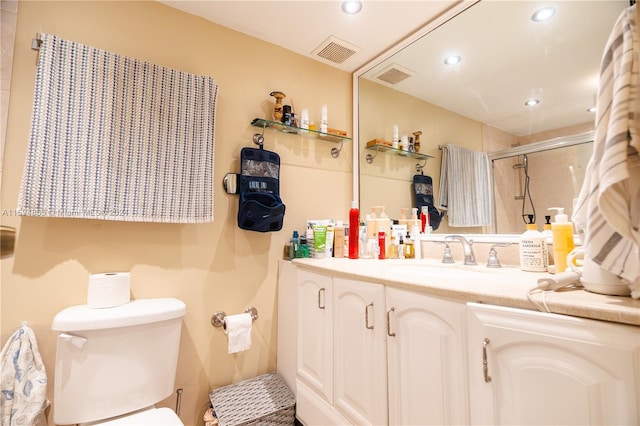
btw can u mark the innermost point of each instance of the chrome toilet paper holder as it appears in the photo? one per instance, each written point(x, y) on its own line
point(217, 319)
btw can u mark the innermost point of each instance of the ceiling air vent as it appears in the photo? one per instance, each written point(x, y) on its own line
point(335, 50)
point(394, 74)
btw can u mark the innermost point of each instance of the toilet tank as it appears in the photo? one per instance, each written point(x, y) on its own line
point(113, 361)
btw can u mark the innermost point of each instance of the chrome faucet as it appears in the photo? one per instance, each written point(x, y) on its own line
point(469, 258)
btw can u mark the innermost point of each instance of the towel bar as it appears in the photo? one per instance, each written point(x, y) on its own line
point(217, 319)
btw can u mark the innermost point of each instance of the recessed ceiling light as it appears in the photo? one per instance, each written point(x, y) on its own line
point(452, 60)
point(532, 102)
point(543, 14)
point(592, 109)
point(351, 7)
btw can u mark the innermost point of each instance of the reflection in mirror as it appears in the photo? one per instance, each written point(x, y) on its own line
point(479, 103)
point(526, 180)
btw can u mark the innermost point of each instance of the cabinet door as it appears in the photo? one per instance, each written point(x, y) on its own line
point(360, 360)
point(315, 341)
point(551, 369)
point(426, 359)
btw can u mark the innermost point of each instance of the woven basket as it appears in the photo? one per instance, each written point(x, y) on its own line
point(263, 400)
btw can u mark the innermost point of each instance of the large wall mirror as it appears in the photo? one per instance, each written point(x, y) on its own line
point(538, 152)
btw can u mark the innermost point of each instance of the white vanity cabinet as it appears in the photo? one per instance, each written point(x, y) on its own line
point(374, 355)
point(528, 367)
point(315, 334)
point(360, 360)
point(426, 360)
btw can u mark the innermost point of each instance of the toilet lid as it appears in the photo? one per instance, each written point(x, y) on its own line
point(152, 417)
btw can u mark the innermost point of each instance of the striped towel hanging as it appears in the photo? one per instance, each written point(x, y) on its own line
point(118, 138)
point(464, 186)
point(608, 207)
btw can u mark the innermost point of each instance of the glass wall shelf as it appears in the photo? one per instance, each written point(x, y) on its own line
point(395, 151)
point(276, 125)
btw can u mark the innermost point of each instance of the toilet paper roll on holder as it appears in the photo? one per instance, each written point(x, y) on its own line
point(217, 319)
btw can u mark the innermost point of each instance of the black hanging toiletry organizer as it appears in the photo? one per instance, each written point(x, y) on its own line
point(423, 196)
point(260, 208)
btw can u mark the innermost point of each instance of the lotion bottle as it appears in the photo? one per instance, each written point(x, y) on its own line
point(548, 237)
point(562, 234)
point(533, 249)
point(323, 119)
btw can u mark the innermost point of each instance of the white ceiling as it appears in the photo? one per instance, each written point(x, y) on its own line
point(507, 59)
point(497, 92)
point(303, 25)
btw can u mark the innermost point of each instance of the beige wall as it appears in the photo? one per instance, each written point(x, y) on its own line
point(212, 266)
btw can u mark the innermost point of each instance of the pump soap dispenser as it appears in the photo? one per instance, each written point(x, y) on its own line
point(533, 249)
point(562, 234)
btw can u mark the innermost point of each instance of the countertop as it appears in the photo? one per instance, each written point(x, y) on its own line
point(505, 286)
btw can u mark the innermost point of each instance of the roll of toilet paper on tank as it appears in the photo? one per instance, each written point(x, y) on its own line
point(238, 331)
point(109, 289)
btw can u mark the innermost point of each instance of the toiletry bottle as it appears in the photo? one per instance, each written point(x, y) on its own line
point(338, 240)
point(382, 244)
point(414, 218)
point(395, 138)
point(562, 234)
point(309, 238)
point(304, 118)
point(354, 230)
point(424, 218)
point(409, 252)
point(548, 237)
point(372, 225)
point(365, 252)
point(404, 143)
point(303, 248)
point(403, 217)
point(384, 222)
point(393, 247)
point(323, 119)
point(533, 249)
point(401, 247)
point(293, 245)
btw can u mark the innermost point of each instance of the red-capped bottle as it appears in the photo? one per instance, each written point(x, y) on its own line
point(382, 244)
point(354, 230)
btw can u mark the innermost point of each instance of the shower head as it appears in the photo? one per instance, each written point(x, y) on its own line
point(524, 164)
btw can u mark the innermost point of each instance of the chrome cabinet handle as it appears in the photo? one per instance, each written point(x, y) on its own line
point(321, 298)
point(389, 333)
point(485, 362)
point(366, 316)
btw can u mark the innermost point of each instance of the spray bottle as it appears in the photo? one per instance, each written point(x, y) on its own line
point(562, 234)
point(354, 230)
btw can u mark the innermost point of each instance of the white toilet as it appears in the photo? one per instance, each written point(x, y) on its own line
point(114, 364)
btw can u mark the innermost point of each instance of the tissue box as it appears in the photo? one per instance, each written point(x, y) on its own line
point(262, 400)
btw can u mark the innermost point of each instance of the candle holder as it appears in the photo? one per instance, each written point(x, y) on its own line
point(277, 108)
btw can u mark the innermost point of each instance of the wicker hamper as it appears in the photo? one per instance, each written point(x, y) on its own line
point(263, 400)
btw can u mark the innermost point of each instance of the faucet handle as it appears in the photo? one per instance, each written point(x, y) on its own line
point(493, 261)
point(447, 257)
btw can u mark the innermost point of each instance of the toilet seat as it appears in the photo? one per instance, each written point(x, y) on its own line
point(147, 417)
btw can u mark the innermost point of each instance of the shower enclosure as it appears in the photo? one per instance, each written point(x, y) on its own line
point(529, 179)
